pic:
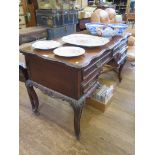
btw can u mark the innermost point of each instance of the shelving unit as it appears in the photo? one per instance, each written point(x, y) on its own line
point(22, 22)
point(121, 5)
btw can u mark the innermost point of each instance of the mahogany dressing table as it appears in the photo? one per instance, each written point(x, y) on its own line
point(71, 79)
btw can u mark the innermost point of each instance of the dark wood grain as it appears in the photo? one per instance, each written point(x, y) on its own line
point(54, 75)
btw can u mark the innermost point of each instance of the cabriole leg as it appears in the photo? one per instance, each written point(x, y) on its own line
point(120, 70)
point(33, 99)
point(77, 116)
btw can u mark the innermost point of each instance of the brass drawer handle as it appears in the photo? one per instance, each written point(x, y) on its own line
point(91, 84)
point(89, 87)
point(98, 65)
point(118, 46)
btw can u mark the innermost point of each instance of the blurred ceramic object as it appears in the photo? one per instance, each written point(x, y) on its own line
point(118, 18)
point(95, 18)
point(104, 18)
point(112, 21)
point(92, 27)
point(120, 27)
point(98, 11)
point(100, 16)
point(131, 41)
point(111, 13)
point(99, 32)
point(107, 32)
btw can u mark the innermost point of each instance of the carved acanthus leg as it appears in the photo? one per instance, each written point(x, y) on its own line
point(77, 116)
point(120, 70)
point(33, 99)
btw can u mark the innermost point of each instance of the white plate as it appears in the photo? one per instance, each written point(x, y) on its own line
point(46, 44)
point(69, 51)
point(85, 40)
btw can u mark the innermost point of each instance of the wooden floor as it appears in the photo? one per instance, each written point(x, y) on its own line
point(51, 133)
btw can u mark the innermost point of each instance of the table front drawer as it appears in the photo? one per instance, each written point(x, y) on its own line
point(122, 58)
point(87, 84)
point(118, 47)
point(96, 66)
point(118, 56)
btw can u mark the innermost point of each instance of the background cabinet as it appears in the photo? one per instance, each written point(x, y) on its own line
point(121, 5)
point(22, 22)
point(27, 17)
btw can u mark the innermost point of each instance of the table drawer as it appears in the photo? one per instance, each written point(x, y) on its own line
point(96, 65)
point(119, 46)
point(120, 54)
point(122, 58)
point(87, 84)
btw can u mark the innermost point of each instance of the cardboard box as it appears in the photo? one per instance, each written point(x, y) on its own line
point(108, 79)
point(97, 104)
point(102, 97)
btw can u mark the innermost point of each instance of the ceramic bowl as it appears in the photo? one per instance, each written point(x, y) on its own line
point(92, 27)
point(120, 27)
point(109, 32)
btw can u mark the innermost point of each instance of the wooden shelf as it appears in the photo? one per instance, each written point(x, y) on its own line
point(121, 6)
